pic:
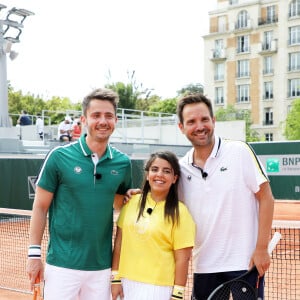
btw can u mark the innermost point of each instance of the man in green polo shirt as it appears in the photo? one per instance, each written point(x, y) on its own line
point(76, 186)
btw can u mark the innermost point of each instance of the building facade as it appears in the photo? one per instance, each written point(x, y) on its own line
point(252, 60)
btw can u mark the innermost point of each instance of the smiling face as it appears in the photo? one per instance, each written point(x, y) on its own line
point(100, 120)
point(197, 124)
point(160, 177)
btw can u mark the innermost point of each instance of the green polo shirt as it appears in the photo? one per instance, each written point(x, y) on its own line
point(81, 213)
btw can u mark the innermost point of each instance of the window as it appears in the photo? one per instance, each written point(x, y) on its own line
point(268, 90)
point(243, 93)
point(294, 8)
point(243, 68)
point(271, 17)
point(294, 35)
point(219, 71)
point(294, 61)
point(294, 87)
point(219, 48)
point(243, 44)
point(242, 20)
point(268, 65)
point(219, 95)
point(268, 115)
point(222, 24)
point(269, 137)
point(268, 37)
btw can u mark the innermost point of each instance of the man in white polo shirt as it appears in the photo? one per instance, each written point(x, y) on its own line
point(228, 194)
point(65, 130)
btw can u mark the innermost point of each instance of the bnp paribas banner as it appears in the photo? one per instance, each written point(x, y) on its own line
point(282, 163)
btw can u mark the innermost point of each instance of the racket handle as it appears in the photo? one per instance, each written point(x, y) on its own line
point(275, 239)
point(37, 289)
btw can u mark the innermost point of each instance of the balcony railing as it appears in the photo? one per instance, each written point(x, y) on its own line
point(294, 14)
point(293, 68)
point(218, 54)
point(268, 20)
point(243, 99)
point(268, 122)
point(268, 71)
point(242, 74)
point(268, 47)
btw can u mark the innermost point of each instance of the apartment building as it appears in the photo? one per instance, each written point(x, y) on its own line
point(252, 60)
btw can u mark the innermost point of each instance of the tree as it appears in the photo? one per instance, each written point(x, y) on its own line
point(129, 93)
point(165, 106)
point(292, 123)
point(55, 108)
point(145, 104)
point(126, 94)
point(191, 88)
point(232, 114)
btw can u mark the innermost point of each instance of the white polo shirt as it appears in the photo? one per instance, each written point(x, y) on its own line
point(223, 205)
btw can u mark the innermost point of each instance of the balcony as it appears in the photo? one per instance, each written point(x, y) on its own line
point(268, 71)
point(268, 47)
point(243, 99)
point(218, 55)
point(294, 68)
point(268, 20)
point(268, 122)
point(243, 49)
point(242, 25)
point(294, 14)
point(245, 74)
point(267, 96)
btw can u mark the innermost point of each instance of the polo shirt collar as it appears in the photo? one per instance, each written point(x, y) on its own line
point(214, 153)
point(87, 151)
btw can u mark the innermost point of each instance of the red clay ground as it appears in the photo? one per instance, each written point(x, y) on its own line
point(284, 210)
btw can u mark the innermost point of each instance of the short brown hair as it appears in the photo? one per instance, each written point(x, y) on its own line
point(101, 94)
point(193, 98)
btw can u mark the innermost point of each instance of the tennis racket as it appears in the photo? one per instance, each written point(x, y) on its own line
point(37, 290)
point(239, 288)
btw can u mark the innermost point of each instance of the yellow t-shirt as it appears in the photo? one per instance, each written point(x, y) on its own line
point(147, 252)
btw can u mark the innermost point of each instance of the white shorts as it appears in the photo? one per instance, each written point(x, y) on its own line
point(134, 290)
point(69, 284)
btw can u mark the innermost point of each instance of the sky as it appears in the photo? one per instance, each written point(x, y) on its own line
point(68, 48)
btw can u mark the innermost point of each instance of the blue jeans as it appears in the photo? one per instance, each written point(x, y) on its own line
point(205, 283)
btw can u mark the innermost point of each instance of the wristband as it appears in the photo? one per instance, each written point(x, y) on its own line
point(115, 278)
point(34, 252)
point(178, 292)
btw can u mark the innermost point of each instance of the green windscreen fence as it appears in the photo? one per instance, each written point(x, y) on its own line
point(280, 159)
point(18, 175)
point(282, 163)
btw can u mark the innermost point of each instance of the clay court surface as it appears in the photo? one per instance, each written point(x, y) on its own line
point(284, 210)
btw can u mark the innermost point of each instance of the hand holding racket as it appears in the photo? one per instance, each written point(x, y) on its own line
point(37, 290)
point(239, 288)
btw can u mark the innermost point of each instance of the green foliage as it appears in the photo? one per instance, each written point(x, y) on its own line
point(191, 88)
point(128, 96)
point(292, 124)
point(230, 114)
point(165, 106)
point(146, 103)
point(54, 109)
point(131, 93)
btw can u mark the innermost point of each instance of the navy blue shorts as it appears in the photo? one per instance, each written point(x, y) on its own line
point(204, 284)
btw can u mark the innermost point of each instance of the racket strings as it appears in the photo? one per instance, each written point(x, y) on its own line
point(235, 290)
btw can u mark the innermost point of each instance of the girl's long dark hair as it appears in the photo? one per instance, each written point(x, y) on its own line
point(171, 205)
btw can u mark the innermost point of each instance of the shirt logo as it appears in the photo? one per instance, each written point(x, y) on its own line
point(114, 172)
point(223, 169)
point(77, 170)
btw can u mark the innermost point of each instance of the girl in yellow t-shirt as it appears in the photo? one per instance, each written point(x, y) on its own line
point(155, 237)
